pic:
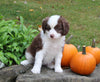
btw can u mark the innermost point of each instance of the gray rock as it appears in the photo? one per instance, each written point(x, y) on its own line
point(48, 75)
point(2, 65)
point(9, 74)
point(19, 73)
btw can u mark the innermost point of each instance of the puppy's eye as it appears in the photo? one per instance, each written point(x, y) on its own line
point(47, 28)
point(59, 28)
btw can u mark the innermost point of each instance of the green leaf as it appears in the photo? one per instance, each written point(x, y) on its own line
point(21, 20)
point(12, 56)
point(10, 62)
point(1, 46)
point(14, 44)
point(1, 17)
point(3, 58)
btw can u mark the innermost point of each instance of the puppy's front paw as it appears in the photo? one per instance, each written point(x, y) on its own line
point(35, 70)
point(59, 69)
point(25, 62)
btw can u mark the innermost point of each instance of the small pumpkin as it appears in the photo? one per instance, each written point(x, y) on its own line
point(95, 51)
point(83, 63)
point(69, 51)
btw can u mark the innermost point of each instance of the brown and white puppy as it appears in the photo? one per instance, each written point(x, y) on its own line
point(47, 47)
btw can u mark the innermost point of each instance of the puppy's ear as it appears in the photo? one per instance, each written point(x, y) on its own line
point(65, 26)
point(44, 23)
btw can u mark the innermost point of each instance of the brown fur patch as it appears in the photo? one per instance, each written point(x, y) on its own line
point(45, 25)
point(62, 26)
point(35, 46)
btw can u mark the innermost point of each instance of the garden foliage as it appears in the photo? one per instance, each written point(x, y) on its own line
point(14, 39)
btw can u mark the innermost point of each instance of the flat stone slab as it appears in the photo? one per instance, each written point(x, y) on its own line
point(19, 73)
point(9, 74)
point(48, 75)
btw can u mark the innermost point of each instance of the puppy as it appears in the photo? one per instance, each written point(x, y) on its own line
point(47, 47)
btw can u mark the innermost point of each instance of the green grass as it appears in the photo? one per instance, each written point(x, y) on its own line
point(83, 16)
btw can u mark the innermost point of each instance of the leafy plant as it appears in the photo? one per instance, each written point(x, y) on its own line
point(14, 39)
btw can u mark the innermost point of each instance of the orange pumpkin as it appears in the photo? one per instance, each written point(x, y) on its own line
point(94, 51)
point(83, 63)
point(68, 52)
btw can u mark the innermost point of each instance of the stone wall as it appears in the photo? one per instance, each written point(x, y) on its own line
point(19, 73)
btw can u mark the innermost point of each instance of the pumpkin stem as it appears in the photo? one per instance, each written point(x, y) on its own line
point(84, 50)
point(93, 43)
point(69, 38)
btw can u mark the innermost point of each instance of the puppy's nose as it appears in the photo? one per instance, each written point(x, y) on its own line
point(52, 35)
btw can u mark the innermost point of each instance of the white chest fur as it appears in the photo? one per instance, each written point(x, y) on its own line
point(51, 48)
